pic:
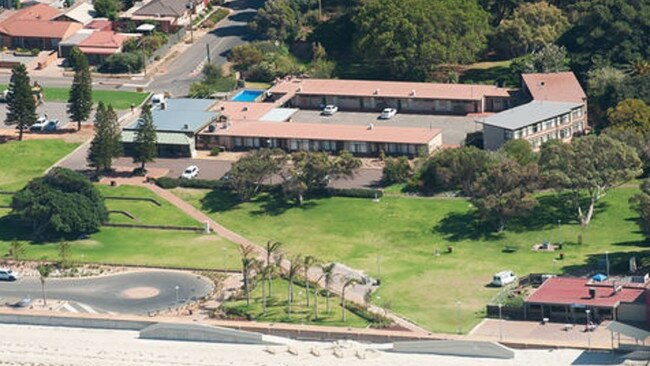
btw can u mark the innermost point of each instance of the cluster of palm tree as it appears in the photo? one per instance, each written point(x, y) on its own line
point(262, 271)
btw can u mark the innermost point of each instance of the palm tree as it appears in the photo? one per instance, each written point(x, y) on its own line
point(348, 282)
point(307, 262)
point(16, 250)
point(44, 271)
point(247, 262)
point(294, 267)
point(272, 251)
point(264, 272)
point(328, 276)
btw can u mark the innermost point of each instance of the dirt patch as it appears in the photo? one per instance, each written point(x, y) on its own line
point(139, 293)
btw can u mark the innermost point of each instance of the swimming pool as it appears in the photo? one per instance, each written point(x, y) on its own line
point(247, 95)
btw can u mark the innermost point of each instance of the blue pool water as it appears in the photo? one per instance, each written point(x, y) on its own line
point(247, 95)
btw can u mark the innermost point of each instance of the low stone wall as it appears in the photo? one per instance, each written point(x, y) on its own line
point(74, 322)
point(200, 333)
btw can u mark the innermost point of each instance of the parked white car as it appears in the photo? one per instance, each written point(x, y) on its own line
point(190, 172)
point(157, 100)
point(330, 109)
point(8, 275)
point(503, 278)
point(388, 113)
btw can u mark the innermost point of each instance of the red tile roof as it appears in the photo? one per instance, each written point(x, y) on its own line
point(567, 291)
point(34, 22)
point(310, 131)
point(250, 111)
point(390, 89)
point(104, 42)
point(555, 87)
point(101, 24)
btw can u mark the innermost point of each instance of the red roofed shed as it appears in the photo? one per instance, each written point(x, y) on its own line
point(567, 299)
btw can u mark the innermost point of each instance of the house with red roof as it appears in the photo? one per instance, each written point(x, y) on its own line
point(101, 44)
point(570, 300)
point(34, 27)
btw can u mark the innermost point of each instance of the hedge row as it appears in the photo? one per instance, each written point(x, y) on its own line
point(169, 183)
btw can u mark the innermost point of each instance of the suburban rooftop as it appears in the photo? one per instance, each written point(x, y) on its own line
point(529, 113)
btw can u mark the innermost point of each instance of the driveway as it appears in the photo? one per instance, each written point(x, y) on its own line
point(130, 293)
point(230, 32)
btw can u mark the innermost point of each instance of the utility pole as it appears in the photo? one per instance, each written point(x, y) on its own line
point(144, 59)
point(191, 7)
point(207, 49)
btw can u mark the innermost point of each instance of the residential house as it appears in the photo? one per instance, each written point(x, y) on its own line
point(101, 44)
point(82, 12)
point(169, 14)
point(34, 27)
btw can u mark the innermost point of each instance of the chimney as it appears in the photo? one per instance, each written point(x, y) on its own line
point(186, 126)
point(371, 126)
point(376, 92)
point(413, 92)
point(592, 292)
point(163, 106)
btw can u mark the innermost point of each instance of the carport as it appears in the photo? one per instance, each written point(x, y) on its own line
point(639, 335)
point(169, 144)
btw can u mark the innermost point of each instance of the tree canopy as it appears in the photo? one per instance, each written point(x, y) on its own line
point(80, 101)
point(106, 143)
point(608, 31)
point(251, 171)
point(145, 149)
point(107, 8)
point(405, 38)
point(630, 114)
point(62, 203)
point(590, 166)
point(21, 106)
point(641, 204)
point(531, 27)
point(276, 20)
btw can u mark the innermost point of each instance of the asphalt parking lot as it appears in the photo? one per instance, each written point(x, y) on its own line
point(454, 128)
point(51, 109)
point(128, 293)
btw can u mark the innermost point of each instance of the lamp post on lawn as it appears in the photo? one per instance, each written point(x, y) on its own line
point(177, 297)
point(500, 323)
point(458, 316)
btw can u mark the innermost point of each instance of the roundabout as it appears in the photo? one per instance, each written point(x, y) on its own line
point(137, 293)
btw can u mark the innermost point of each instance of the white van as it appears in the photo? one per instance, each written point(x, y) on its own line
point(503, 278)
point(8, 275)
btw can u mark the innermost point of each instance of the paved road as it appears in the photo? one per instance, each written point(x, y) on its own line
point(129, 293)
point(231, 32)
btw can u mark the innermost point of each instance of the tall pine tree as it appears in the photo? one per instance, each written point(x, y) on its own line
point(145, 138)
point(21, 106)
point(80, 102)
point(106, 144)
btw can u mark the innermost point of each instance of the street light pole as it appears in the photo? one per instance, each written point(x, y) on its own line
point(191, 6)
point(177, 297)
point(607, 262)
point(588, 331)
point(500, 323)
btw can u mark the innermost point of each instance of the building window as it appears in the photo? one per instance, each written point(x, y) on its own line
point(577, 113)
point(517, 134)
point(507, 134)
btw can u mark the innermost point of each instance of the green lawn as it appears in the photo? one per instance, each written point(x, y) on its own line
point(145, 212)
point(136, 246)
point(489, 73)
point(405, 232)
point(300, 313)
point(21, 161)
point(119, 99)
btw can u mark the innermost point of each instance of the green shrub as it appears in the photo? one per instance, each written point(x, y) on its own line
point(119, 63)
point(215, 151)
point(169, 183)
point(375, 320)
point(35, 51)
point(355, 192)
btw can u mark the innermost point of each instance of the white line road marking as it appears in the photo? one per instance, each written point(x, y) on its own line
point(69, 308)
point(87, 308)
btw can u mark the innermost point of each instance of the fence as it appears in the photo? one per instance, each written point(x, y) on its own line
point(171, 41)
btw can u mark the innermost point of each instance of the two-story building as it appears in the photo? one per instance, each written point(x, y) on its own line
point(557, 110)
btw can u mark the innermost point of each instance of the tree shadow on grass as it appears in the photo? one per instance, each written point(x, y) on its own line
point(618, 264)
point(219, 200)
point(550, 209)
point(12, 229)
point(277, 204)
point(465, 226)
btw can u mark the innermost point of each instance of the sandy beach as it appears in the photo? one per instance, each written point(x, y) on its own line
point(53, 346)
